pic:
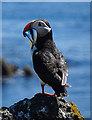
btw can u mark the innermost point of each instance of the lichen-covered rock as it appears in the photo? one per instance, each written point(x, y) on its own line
point(44, 107)
point(5, 114)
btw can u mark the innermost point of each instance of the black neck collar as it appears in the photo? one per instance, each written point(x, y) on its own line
point(43, 41)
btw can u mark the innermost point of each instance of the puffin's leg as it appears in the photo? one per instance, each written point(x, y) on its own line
point(42, 89)
point(42, 86)
point(46, 93)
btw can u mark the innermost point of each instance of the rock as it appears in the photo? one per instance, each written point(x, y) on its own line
point(5, 114)
point(7, 70)
point(28, 72)
point(13, 68)
point(42, 107)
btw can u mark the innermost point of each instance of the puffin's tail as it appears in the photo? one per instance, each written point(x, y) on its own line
point(60, 91)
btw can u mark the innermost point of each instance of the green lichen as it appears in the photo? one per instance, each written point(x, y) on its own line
point(75, 111)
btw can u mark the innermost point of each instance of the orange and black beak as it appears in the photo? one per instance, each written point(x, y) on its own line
point(31, 33)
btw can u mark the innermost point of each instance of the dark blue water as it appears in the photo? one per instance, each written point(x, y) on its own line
point(71, 32)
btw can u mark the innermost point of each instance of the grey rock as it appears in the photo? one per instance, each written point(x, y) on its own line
point(43, 107)
point(5, 114)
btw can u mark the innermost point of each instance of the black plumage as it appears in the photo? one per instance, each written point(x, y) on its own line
point(49, 63)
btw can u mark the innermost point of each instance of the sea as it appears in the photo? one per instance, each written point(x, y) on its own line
point(70, 23)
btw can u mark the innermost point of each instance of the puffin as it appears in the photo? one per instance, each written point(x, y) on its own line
point(48, 62)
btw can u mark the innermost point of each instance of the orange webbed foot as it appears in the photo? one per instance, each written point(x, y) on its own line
point(50, 94)
point(45, 94)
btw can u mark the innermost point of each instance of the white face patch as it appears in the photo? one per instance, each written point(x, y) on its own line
point(41, 27)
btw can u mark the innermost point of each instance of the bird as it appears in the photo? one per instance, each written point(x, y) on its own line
point(48, 62)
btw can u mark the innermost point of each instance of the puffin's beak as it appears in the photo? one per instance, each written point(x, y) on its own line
point(31, 33)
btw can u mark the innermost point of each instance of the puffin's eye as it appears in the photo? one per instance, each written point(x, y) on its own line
point(39, 24)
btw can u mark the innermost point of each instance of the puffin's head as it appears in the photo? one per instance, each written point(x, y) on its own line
point(37, 28)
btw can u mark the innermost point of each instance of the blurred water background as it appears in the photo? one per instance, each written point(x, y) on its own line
point(71, 32)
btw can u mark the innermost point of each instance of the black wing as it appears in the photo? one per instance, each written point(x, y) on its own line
point(50, 67)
